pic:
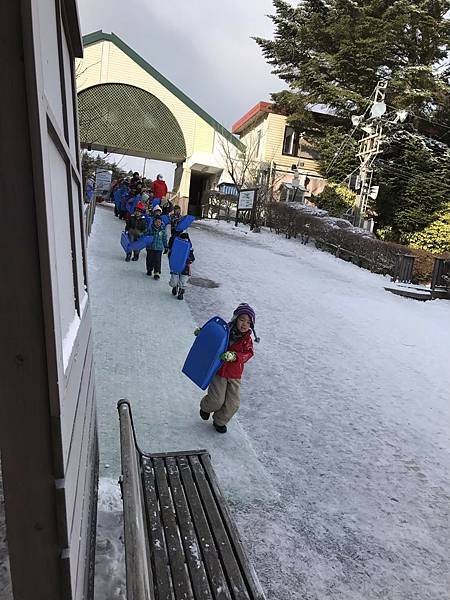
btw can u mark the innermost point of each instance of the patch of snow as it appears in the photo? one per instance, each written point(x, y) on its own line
point(331, 222)
point(312, 211)
point(83, 303)
point(110, 582)
point(69, 339)
point(335, 466)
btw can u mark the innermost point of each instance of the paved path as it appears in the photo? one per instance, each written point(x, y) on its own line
point(141, 337)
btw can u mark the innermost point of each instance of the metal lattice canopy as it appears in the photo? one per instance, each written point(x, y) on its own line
point(129, 120)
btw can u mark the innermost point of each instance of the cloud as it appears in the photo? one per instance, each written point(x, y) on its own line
point(203, 46)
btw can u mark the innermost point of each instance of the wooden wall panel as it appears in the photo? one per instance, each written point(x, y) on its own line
point(47, 422)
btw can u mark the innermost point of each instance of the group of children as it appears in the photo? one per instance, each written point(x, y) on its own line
point(146, 214)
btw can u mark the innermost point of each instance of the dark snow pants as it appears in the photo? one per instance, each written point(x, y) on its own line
point(153, 261)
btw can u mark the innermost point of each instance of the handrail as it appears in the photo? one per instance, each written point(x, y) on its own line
point(137, 555)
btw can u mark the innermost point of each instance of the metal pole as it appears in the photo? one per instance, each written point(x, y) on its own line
point(369, 148)
point(253, 213)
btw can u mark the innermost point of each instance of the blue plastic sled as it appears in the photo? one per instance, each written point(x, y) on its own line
point(141, 243)
point(185, 222)
point(165, 219)
point(137, 246)
point(203, 360)
point(179, 255)
point(125, 242)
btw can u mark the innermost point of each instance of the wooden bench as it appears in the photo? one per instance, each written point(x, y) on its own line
point(181, 542)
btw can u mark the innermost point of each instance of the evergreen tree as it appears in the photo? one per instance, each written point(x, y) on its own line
point(414, 172)
point(333, 54)
point(338, 154)
point(89, 163)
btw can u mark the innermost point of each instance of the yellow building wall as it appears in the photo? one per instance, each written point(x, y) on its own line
point(249, 137)
point(103, 62)
point(273, 147)
point(203, 136)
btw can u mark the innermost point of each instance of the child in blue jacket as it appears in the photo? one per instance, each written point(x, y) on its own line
point(157, 247)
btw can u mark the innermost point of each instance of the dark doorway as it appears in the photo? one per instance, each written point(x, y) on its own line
point(199, 183)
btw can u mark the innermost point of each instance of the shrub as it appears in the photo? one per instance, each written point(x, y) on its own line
point(387, 234)
point(365, 250)
point(435, 238)
point(335, 199)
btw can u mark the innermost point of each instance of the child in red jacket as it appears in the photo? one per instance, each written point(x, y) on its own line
point(223, 397)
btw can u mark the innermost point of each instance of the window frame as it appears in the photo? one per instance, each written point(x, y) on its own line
point(294, 144)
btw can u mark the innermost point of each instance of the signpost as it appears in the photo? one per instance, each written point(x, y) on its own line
point(247, 201)
point(102, 183)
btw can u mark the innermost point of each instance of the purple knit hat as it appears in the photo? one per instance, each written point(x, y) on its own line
point(246, 309)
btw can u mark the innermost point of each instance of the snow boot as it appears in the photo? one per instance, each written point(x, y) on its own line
point(220, 428)
point(174, 291)
point(149, 273)
point(180, 294)
point(204, 415)
point(156, 276)
point(128, 257)
point(135, 257)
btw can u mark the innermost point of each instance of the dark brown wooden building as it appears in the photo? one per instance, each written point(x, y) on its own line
point(48, 440)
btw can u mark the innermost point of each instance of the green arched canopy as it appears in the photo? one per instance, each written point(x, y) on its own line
point(127, 119)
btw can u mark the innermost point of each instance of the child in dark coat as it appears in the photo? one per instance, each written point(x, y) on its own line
point(179, 281)
point(136, 226)
point(175, 219)
point(158, 245)
point(223, 395)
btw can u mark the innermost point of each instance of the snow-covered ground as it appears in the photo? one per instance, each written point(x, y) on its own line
point(337, 465)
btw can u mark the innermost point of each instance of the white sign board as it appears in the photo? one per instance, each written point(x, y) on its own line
point(246, 199)
point(102, 182)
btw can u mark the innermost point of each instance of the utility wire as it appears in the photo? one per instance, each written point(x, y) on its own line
point(407, 176)
point(349, 136)
point(432, 121)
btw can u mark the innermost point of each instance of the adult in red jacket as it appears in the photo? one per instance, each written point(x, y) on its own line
point(159, 187)
point(223, 396)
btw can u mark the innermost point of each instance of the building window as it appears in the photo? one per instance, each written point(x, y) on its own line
point(291, 142)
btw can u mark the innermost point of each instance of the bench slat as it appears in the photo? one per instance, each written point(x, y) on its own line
point(158, 552)
point(179, 524)
point(180, 578)
point(210, 555)
point(233, 572)
point(192, 550)
point(245, 564)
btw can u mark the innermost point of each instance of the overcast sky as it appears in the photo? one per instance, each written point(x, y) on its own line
point(204, 47)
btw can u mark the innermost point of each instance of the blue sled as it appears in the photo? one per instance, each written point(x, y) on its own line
point(138, 245)
point(125, 242)
point(185, 222)
point(179, 255)
point(143, 242)
point(203, 360)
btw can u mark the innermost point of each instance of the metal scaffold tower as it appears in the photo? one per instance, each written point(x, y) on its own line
point(369, 149)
